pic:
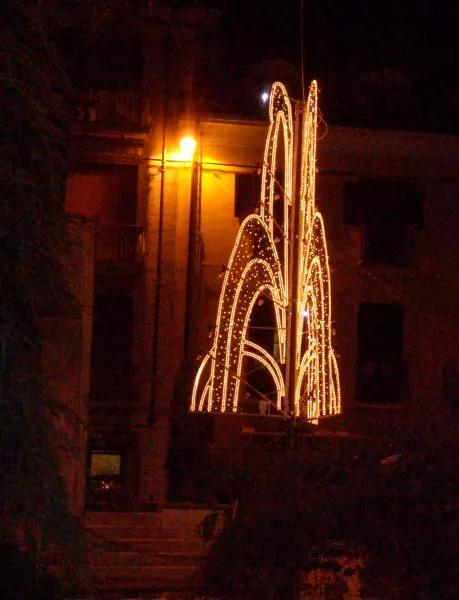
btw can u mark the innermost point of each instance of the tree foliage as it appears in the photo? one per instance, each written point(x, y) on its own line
point(34, 281)
point(390, 499)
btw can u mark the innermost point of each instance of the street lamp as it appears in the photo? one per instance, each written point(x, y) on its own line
point(187, 148)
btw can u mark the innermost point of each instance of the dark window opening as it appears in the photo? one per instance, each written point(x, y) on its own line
point(450, 383)
point(278, 214)
point(247, 201)
point(111, 365)
point(381, 372)
point(106, 62)
point(115, 63)
point(278, 209)
point(71, 46)
point(105, 193)
point(387, 210)
point(247, 194)
point(262, 332)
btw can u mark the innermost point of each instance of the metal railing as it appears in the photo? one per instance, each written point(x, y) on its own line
point(120, 243)
point(141, 8)
point(112, 107)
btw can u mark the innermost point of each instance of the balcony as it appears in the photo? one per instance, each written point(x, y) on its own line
point(120, 243)
point(113, 8)
point(112, 107)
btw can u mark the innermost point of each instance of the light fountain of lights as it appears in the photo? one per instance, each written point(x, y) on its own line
point(297, 280)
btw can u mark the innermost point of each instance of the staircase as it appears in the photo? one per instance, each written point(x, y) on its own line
point(142, 553)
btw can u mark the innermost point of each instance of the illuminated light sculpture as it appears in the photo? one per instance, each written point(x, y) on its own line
point(296, 278)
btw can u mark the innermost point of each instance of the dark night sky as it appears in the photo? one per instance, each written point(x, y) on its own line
point(371, 31)
point(345, 41)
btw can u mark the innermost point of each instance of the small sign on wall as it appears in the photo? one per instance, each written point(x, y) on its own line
point(105, 464)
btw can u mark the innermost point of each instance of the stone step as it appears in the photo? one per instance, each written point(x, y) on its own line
point(168, 522)
point(108, 532)
point(127, 558)
point(179, 546)
point(123, 519)
point(146, 574)
point(138, 578)
point(143, 552)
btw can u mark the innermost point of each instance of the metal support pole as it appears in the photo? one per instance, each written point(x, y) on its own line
point(193, 265)
point(294, 265)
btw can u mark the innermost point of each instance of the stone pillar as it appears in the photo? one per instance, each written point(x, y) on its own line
point(86, 300)
point(66, 351)
point(156, 394)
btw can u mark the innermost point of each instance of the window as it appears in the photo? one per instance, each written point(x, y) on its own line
point(247, 194)
point(381, 372)
point(450, 383)
point(247, 197)
point(111, 366)
point(387, 209)
point(105, 193)
point(115, 62)
point(110, 61)
point(261, 331)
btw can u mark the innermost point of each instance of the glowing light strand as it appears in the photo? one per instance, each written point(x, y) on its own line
point(255, 268)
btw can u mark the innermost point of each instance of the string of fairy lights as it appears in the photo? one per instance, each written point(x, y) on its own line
point(257, 269)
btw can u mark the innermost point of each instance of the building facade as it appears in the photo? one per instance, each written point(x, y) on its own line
point(158, 226)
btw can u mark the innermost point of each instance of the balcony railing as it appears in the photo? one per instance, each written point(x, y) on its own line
point(112, 107)
point(140, 9)
point(120, 243)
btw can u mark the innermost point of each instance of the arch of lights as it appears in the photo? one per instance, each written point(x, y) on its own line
point(256, 268)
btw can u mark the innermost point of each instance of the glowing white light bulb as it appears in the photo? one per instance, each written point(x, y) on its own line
point(264, 97)
point(305, 313)
point(187, 147)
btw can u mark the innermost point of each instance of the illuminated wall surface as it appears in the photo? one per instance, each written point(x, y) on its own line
point(259, 268)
